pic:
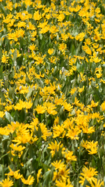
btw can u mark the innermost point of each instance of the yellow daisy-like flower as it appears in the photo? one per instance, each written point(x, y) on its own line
point(50, 51)
point(6, 183)
point(62, 183)
point(69, 156)
point(88, 174)
point(54, 147)
point(97, 183)
point(29, 181)
point(40, 109)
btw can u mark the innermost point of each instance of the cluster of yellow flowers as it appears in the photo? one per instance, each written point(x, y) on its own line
point(52, 93)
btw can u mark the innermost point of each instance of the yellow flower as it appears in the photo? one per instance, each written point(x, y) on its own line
point(38, 175)
point(4, 131)
point(19, 33)
point(61, 17)
point(40, 109)
point(29, 181)
point(73, 90)
point(80, 90)
point(46, 133)
point(21, 24)
point(64, 36)
point(80, 36)
point(97, 35)
point(37, 16)
point(98, 72)
point(58, 131)
point(27, 105)
point(2, 114)
point(50, 51)
point(88, 174)
point(44, 30)
point(57, 164)
point(73, 133)
point(19, 105)
point(93, 104)
point(32, 47)
point(67, 106)
point(6, 183)
point(88, 130)
point(61, 171)
point(28, 2)
point(4, 59)
point(11, 173)
point(87, 49)
point(50, 107)
point(42, 25)
point(56, 121)
point(69, 156)
point(96, 183)
point(34, 124)
point(23, 104)
point(62, 47)
point(53, 29)
point(63, 183)
point(55, 147)
point(17, 148)
point(17, 175)
point(31, 27)
point(92, 147)
point(103, 106)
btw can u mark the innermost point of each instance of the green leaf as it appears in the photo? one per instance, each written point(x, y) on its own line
point(1, 72)
point(1, 40)
point(73, 49)
point(28, 163)
point(15, 55)
point(29, 93)
point(5, 138)
point(3, 9)
point(8, 117)
point(47, 178)
point(80, 67)
point(11, 92)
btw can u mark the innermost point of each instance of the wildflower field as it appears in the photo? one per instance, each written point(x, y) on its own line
point(52, 93)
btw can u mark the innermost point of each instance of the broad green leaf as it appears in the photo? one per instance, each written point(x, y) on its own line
point(29, 93)
point(15, 55)
point(8, 117)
